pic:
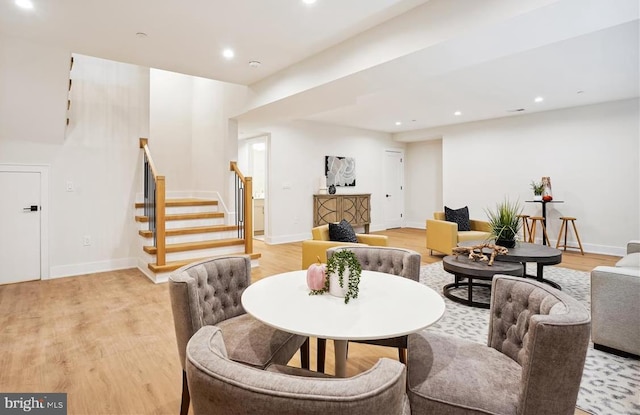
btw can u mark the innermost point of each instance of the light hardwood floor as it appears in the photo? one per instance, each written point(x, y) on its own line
point(107, 339)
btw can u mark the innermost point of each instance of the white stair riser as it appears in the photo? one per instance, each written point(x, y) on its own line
point(171, 210)
point(198, 253)
point(196, 237)
point(178, 224)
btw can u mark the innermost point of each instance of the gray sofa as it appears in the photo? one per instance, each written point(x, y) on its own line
point(615, 304)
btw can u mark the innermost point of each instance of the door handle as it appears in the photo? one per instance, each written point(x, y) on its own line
point(388, 195)
point(32, 208)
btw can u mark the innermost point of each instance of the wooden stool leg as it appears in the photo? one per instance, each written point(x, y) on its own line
point(560, 234)
point(532, 232)
point(573, 222)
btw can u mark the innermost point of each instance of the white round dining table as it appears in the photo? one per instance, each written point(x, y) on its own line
point(387, 306)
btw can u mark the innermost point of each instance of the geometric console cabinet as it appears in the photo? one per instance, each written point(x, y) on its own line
point(354, 208)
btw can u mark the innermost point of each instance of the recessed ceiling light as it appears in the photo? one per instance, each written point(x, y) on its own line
point(228, 53)
point(308, 1)
point(25, 4)
point(457, 113)
point(141, 35)
point(398, 122)
point(255, 64)
point(538, 99)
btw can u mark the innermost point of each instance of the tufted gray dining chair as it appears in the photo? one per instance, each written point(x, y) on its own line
point(397, 261)
point(222, 386)
point(532, 363)
point(208, 293)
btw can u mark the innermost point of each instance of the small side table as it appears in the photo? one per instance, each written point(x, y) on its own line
point(544, 211)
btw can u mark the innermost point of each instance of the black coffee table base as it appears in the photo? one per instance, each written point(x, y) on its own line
point(463, 268)
point(446, 291)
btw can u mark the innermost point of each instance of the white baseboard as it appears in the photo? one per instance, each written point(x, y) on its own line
point(285, 239)
point(416, 225)
point(92, 267)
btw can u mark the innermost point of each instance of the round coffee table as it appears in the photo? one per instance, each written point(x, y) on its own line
point(525, 252)
point(464, 268)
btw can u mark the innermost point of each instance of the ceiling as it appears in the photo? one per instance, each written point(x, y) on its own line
point(561, 52)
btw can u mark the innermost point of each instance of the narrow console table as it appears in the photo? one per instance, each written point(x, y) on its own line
point(354, 208)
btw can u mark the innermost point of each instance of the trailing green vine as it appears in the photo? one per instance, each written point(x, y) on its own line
point(340, 261)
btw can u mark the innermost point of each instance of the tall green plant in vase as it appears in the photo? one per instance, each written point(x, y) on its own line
point(505, 223)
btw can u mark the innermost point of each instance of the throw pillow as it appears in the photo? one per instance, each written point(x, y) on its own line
point(630, 261)
point(459, 216)
point(342, 232)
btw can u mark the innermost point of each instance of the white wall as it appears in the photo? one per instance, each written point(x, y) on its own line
point(33, 91)
point(99, 154)
point(297, 151)
point(423, 182)
point(191, 140)
point(591, 153)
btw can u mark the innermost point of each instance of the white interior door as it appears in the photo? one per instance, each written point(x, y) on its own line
point(20, 209)
point(394, 188)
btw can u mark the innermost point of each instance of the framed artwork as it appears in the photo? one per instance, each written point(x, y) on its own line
point(340, 171)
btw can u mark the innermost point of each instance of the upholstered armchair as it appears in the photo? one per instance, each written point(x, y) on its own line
point(532, 363)
point(317, 247)
point(208, 293)
point(220, 385)
point(397, 261)
point(615, 304)
point(443, 236)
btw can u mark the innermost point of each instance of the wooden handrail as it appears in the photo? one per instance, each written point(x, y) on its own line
point(233, 166)
point(159, 208)
point(145, 147)
point(247, 201)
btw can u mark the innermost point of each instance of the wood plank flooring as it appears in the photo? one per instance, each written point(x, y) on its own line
point(108, 341)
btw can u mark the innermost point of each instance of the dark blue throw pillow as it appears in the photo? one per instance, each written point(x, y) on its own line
point(342, 232)
point(459, 216)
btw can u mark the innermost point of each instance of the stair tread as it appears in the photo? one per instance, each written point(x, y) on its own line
point(174, 265)
point(189, 246)
point(189, 201)
point(191, 230)
point(185, 216)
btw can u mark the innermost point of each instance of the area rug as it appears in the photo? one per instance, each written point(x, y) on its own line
point(610, 384)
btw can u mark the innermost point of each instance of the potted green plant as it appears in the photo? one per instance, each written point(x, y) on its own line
point(505, 223)
point(537, 188)
point(343, 276)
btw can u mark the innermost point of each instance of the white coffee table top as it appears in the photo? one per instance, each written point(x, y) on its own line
point(387, 306)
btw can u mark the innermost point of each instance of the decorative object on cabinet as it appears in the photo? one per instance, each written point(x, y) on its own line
point(340, 171)
point(354, 208)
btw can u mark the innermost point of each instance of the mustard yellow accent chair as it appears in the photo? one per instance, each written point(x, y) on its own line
point(443, 236)
point(317, 247)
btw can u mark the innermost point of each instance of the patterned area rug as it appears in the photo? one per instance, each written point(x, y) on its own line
point(610, 384)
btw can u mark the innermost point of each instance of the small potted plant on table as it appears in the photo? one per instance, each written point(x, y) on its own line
point(343, 276)
point(537, 188)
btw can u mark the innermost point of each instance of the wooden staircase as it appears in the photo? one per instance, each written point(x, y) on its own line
point(179, 231)
point(195, 231)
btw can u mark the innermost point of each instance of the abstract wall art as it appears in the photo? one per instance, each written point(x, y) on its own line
point(340, 171)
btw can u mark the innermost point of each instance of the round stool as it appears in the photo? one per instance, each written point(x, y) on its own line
point(565, 228)
point(532, 230)
point(525, 226)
